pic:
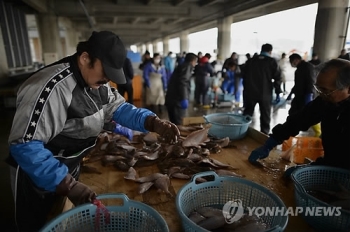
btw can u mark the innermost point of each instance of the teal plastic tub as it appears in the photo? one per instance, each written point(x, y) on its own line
point(130, 216)
point(234, 126)
point(219, 191)
point(321, 178)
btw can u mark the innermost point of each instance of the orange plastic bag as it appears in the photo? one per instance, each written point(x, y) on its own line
point(305, 147)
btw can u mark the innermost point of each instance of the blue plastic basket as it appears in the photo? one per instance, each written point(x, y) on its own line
point(221, 190)
point(131, 216)
point(230, 125)
point(326, 178)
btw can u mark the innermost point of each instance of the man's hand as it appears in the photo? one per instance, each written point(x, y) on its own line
point(124, 131)
point(263, 151)
point(259, 153)
point(78, 193)
point(166, 129)
point(184, 104)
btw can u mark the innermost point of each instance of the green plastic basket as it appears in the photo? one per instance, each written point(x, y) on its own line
point(326, 178)
point(131, 216)
point(219, 191)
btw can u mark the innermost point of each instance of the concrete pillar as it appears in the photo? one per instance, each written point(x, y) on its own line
point(71, 36)
point(224, 38)
point(154, 46)
point(184, 42)
point(3, 60)
point(331, 28)
point(166, 45)
point(139, 49)
point(50, 37)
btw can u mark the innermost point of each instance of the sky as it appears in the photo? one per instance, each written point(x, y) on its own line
point(288, 31)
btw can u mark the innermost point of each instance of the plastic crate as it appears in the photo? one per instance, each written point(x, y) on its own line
point(310, 147)
point(229, 125)
point(218, 192)
point(326, 178)
point(225, 97)
point(131, 216)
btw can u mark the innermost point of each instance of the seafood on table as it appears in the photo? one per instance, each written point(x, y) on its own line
point(213, 219)
point(189, 156)
point(339, 196)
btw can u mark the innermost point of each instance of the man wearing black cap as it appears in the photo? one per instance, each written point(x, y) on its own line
point(61, 109)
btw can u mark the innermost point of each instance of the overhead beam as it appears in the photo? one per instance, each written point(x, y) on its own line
point(158, 20)
point(176, 21)
point(178, 2)
point(38, 5)
point(148, 2)
point(207, 2)
point(136, 20)
point(87, 14)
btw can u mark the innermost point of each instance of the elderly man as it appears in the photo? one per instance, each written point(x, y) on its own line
point(331, 108)
point(61, 109)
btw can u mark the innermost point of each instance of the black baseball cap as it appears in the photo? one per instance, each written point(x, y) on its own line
point(107, 47)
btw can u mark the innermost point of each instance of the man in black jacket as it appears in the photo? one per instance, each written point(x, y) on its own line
point(259, 72)
point(179, 89)
point(304, 79)
point(331, 108)
point(127, 87)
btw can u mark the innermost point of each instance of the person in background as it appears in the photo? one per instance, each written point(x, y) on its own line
point(180, 59)
point(208, 55)
point(233, 57)
point(200, 55)
point(303, 90)
point(169, 65)
point(232, 83)
point(179, 89)
point(261, 75)
point(315, 60)
point(155, 80)
point(331, 108)
point(61, 109)
point(146, 58)
point(127, 87)
point(344, 55)
point(282, 63)
point(203, 71)
point(248, 56)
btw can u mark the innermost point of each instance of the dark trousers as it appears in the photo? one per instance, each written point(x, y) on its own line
point(176, 114)
point(129, 90)
point(297, 104)
point(200, 93)
point(265, 112)
point(32, 204)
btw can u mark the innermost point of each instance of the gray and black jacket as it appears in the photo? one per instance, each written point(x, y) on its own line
point(58, 117)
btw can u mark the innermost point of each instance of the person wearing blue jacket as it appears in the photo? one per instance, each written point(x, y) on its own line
point(169, 65)
point(61, 109)
point(232, 83)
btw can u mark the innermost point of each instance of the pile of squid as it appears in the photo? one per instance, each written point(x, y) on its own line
point(190, 155)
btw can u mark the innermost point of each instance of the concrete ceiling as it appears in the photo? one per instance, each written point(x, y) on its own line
point(141, 21)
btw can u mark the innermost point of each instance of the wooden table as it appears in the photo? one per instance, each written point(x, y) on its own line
point(112, 181)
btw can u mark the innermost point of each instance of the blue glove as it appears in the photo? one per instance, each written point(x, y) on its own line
point(184, 104)
point(309, 97)
point(278, 99)
point(123, 131)
point(263, 151)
